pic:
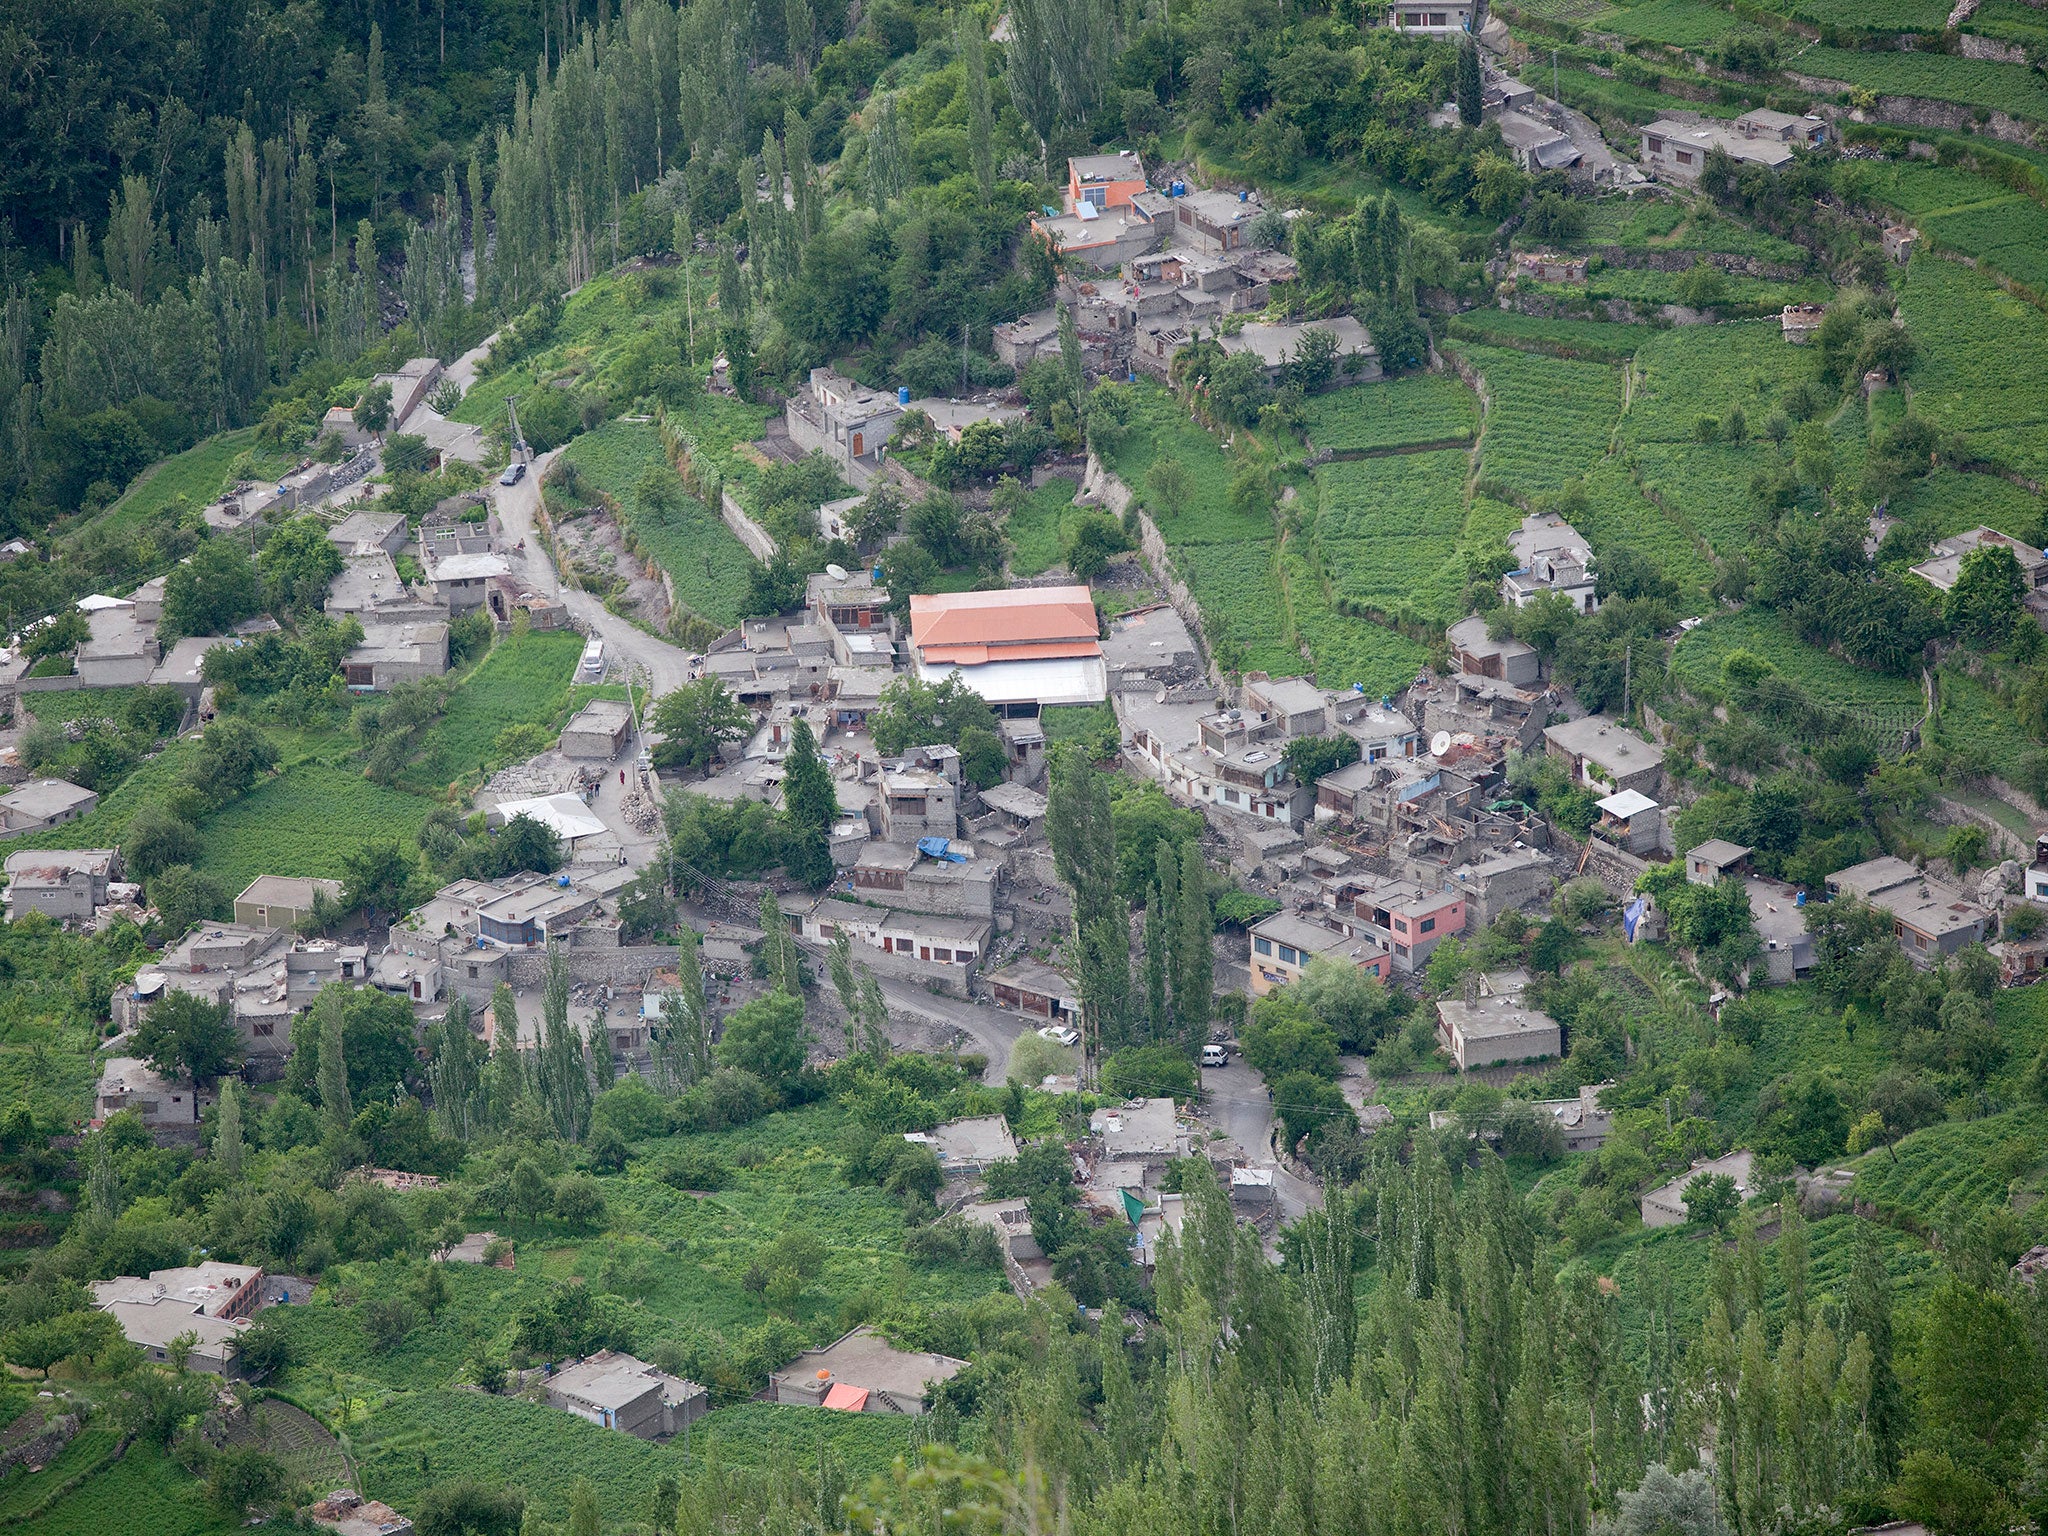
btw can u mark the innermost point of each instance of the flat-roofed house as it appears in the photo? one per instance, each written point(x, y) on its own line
point(1947, 564)
point(1108, 180)
point(1036, 990)
point(206, 1304)
point(598, 730)
point(68, 884)
point(1282, 945)
point(1444, 18)
point(396, 653)
point(616, 1391)
point(361, 532)
point(1477, 652)
point(463, 581)
point(862, 1372)
point(1551, 556)
point(1708, 863)
point(1931, 918)
point(282, 901)
point(1602, 753)
point(1031, 646)
point(1492, 1023)
point(1677, 148)
point(43, 803)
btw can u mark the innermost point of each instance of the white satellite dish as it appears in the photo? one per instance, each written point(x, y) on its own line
point(836, 572)
point(1440, 743)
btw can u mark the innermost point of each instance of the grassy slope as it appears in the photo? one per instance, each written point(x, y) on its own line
point(687, 539)
point(1983, 368)
point(524, 680)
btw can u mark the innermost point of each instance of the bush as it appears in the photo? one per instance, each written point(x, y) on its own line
point(694, 1168)
point(1146, 1071)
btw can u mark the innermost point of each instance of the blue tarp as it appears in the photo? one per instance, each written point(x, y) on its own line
point(939, 848)
point(1633, 914)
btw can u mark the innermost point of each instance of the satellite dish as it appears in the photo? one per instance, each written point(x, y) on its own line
point(836, 572)
point(1440, 743)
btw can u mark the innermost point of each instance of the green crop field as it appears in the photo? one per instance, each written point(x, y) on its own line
point(1974, 719)
point(144, 1485)
point(1237, 587)
point(1601, 97)
point(1037, 527)
point(1918, 186)
point(2010, 234)
point(1160, 429)
point(1644, 285)
point(1344, 651)
point(1869, 15)
point(544, 1450)
point(1548, 419)
point(107, 821)
point(2010, 88)
point(1427, 408)
point(1823, 676)
point(1679, 23)
point(1983, 368)
point(525, 680)
point(1387, 530)
point(199, 475)
point(1618, 516)
point(1949, 501)
point(707, 564)
point(306, 821)
point(78, 704)
point(1946, 1173)
point(1594, 341)
point(2014, 21)
point(1664, 224)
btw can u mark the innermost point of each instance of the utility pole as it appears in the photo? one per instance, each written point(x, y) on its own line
point(1627, 657)
point(963, 357)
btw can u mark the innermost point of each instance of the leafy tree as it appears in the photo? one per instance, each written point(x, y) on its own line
point(1237, 388)
point(377, 1037)
point(1313, 366)
point(767, 1038)
point(183, 896)
point(914, 713)
point(233, 755)
point(523, 843)
point(156, 839)
point(1093, 538)
point(1310, 757)
point(1148, 1071)
point(1711, 1200)
point(1309, 1107)
point(61, 632)
point(187, 1037)
point(468, 1507)
point(373, 411)
point(212, 592)
point(297, 563)
point(1985, 602)
point(376, 877)
point(695, 721)
point(1284, 1037)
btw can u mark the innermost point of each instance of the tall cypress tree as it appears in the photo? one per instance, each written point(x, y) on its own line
point(809, 805)
point(1194, 953)
point(330, 1075)
point(1471, 101)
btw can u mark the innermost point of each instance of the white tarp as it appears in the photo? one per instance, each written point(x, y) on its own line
point(564, 815)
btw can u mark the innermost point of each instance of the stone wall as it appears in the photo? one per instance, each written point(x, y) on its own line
point(39, 1450)
point(744, 528)
point(1113, 496)
point(628, 965)
point(1919, 112)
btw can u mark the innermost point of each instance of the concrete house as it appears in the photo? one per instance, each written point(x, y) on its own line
point(1477, 652)
point(863, 1373)
point(1536, 145)
point(1105, 181)
point(41, 804)
point(1281, 946)
point(1214, 221)
point(1941, 571)
point(463, 582)
point(1409, 920)
point(169, 1111)
point(1932, 919)
point(1492, 1023)
point(396, 653)
point(1714, 860)
point(1632, 821)
point(900, 875)
point(1665, 1205)
point(1446, 18)
point(941, 950)
point(1550, 556)
point(362, 532)
point(282, 901)
point(1276, 343)
point(918, 798)
point(211, 1302)
point(1677, 148)
point(615, 1391)
point(1036, 990)
point(967, 1147)
point(598, 731)
point(65, 884)
point(1603, 754)
point(848, 423)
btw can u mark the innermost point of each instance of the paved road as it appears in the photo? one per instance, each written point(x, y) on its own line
point(1236, 1101)
point(665, 666)
point(993, 1031)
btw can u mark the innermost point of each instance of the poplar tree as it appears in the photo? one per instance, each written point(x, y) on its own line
point(874, 1016)
point(228, 1146)
point(683, 1048)
point(562, 1064)
point(1194, 952)
point(1471, 100)
point(102, 1183)
point(981, 123)
point(330, 1076)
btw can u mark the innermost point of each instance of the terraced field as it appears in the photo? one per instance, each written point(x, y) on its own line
point(1388, 532)
point(1548, 419)
point(1427, 408)
point(2009, 88)
point(1983, 369)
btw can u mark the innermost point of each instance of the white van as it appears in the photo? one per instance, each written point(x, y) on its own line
point(593, 658)
point(1215, 1056)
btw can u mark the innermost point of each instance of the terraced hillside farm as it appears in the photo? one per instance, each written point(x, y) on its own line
point(1425, 409)
point(1548, 419)
point(1388, 531)
point(2014, 89)
point(1983, 368)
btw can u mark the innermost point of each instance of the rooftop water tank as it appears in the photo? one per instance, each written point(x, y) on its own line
point(903, 394)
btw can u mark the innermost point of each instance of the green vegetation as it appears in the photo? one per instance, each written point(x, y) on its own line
point(687, 539)
point(1037, 527)
point(1679, 23)
point(1984, 362)
point(312, 817)
point(523, 681)
point(1593, 341)
point(2010, 88)
point(1387, 531)
point(144, 1479)
point(1547, 419)
point(198, 476)
point(1424, 409)
point(1697, 661)
point(1161, 431)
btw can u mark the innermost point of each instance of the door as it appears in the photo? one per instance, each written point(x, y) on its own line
point(859, 444)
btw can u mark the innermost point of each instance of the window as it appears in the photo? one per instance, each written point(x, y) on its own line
point(1375, 754)
point(1411, 18)
point(1401, 949)
point(1262, 946)
point(1428, 925)
point(1656, 144)
point(472, 973)
point(1290, 955)
point(1685, 157)
point(264, 1029)
point(943, 954)
point(1438, 19)
point(1400, 925)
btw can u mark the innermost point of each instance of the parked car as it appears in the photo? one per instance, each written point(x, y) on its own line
point(1059, 1034)
point(1215, 1056)
point(514, 473)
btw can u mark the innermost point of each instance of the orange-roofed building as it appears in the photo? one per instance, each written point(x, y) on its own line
point(1034, 645)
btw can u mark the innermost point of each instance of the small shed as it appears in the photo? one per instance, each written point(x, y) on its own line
point(598, 731)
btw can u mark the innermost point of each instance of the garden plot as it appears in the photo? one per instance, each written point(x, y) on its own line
point(1983, 368)
point(1424, 409)
point(1548, 419)
point(2010, 88)
point(1617, 516)
point(1826, 678)
point(1388, 531)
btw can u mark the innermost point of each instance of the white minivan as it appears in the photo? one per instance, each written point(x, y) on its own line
point(593, 658)
point(1215, 1056)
